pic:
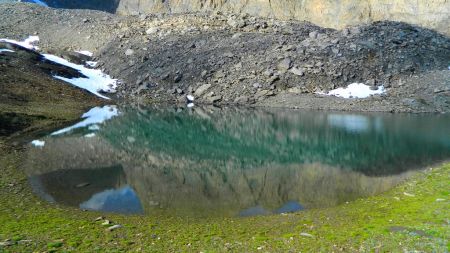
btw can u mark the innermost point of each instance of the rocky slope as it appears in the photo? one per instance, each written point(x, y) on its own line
point(246, 60)
point(240, 59)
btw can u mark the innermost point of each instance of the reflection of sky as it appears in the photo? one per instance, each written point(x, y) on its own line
point(289, 207)
point(351, 123)
point(123, 200)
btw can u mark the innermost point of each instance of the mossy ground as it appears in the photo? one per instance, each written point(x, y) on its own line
point(412, 216)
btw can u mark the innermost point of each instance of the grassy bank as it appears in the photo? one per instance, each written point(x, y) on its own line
point(412, 216)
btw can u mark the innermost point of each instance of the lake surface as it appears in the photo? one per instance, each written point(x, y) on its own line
point(208, 161)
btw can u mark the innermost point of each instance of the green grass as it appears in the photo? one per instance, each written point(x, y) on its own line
point(392, 222)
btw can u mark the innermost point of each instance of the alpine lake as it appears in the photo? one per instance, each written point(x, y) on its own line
point(229, 162)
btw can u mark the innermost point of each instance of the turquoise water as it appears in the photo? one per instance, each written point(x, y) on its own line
point(229, 161)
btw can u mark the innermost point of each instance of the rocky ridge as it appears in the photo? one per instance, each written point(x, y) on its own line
point(434, 14)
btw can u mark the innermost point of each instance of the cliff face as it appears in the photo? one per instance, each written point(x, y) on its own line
point(433, 14)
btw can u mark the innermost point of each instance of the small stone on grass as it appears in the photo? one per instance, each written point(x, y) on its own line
point(114, 227)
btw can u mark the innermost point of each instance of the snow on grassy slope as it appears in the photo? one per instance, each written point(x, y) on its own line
point(93, 117)
point(95, 81)
point(355, 90)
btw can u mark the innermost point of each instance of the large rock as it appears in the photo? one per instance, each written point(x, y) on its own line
point(433, 14)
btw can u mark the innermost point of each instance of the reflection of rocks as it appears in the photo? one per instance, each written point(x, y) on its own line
point(69, 153)
point(72, 187)
point(184, 187)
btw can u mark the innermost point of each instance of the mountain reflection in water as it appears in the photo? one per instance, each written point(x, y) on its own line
point(229, 162)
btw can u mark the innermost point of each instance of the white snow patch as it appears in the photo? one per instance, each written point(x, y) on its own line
point(38, 143)
point(91, 63)
point(190, 105)
point(27, 43)
point(95, 116)
point(6, 50)
point(95, 82)
point(355, 90)
point(190, 98)
point(84, 52)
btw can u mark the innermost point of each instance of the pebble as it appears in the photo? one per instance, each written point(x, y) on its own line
point(129, 52)
point(273, 79)
point(408, 194)
point(268, 72)
point(202, 89)
point(228, 54)
point(306, 235)
point(297, 71)
point(151, 30)
point(114, 227)
point(81, 185)
point(371, 82)
point(203, 74)
point(257, 85)
point(284, 65)
point(177, 78)
point(7, 243)
point(238, 35)
point(214, 99)
point(313, 35)
point(106, 222)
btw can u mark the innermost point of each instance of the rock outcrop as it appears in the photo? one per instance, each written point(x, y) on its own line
point(433, 14)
